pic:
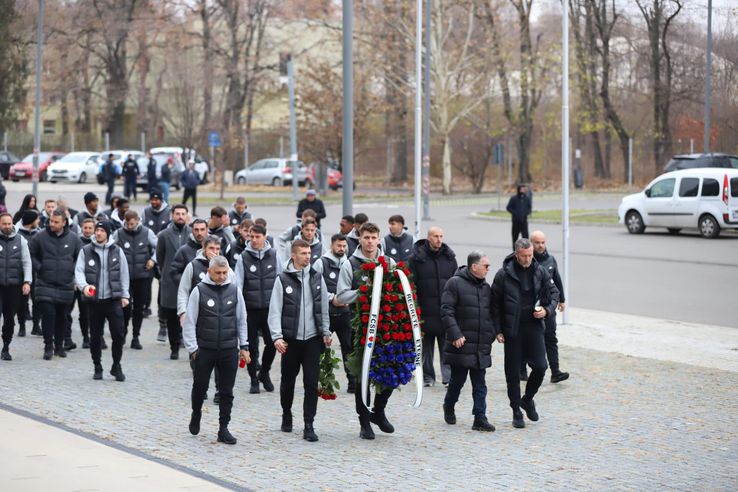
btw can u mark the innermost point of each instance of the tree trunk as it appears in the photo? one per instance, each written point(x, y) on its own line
point(207, 87)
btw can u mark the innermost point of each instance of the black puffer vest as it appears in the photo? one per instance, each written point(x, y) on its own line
point(330, 276)
point(292, 302)
point(55, 266)
point(135, 245)
point(199, 271)
point(157, 221)
point(11, 260)
point(399, 248)
point(258, 278)
point(216, 326)
point(93, 264)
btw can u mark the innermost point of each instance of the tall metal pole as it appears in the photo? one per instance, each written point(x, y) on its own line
point(418, 111)
point(37, 107)
point(708, 78)
point(347, 146)
point(143, 142)
point(5, 141)
point(630, 163)
point(426, 109)
point(565, 148)
point(293, 127)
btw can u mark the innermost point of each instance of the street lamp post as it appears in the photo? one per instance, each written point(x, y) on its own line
point(426, 109)
point(347, 144)
point(565, 148)
point(37, 107)
point(293, 126)
point(418, 110)
point(708, 78)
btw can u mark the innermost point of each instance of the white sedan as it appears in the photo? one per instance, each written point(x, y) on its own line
point(75, 167)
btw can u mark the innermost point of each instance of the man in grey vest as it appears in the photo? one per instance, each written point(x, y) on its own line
point(169, 241)
point(299, 325)
point(329, 267)
point(139, 246)
point(215, 335)
point(101, 273)
point(54, 252)
point(256, 270)
point(15, 277)
point(398, 244)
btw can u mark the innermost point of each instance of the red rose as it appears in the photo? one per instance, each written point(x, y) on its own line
point(406, 271)
point(408, 336)
point(395, 297)
point(379, 318)
point(415, 296)
point(403, 315)
point(386, 337)
point(400, 264)
point(386, 308)
point(387, 298)
point(407, 327)
point(372, 266)
point(388, 286)
point(364, 330)
point(399, 307)
point(365, 307)
point(363, 341)
point(365, 319)
point(417, 311)
point(363, 288)
point(363, 299)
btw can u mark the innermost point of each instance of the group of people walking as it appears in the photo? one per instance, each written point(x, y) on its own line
point(226, 285)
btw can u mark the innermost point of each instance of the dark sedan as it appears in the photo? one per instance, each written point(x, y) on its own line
point(7, 159)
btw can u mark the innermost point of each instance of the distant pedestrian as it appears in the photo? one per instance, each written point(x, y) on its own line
point(130, 174)
point(3, 194)
point(110, 173)
point(190, 181)
point(467, 319)
point(215, 335)
point(151, 174)
point(520, 207)
point(312, 202)
point(15, 277)
point(165, 178)
point(28, 203)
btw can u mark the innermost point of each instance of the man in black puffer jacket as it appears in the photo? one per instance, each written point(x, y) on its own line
point(523, 295)
point(432, 264)
point(467, 318)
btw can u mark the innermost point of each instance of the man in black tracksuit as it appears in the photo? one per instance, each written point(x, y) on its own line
point(467, 318)
point(139, 246)
point(54, 252)
point(256, 270)
point(330, 267)
point(299, 326)
point(215, 335)
point(28, 228)
point(348, 293)
point(520, 208)
point(548, 262)
point(188, 251)
point(101, 273)
point(156, 216)
point(15, 277)
point(523, 295)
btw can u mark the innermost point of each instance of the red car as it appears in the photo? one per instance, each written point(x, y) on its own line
point(335, 177)
point(24, 168)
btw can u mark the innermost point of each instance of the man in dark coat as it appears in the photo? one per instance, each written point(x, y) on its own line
point(432, 263)
point(312, 202)
point(130, 174)
point(110, 172)
point(523, 295)
point(467, 318)
point(54, 253)
point(190, 181)
point(520, 207)
point(188, 251)
point(151, 179)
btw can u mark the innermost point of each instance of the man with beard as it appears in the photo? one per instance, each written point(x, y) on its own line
point(523, 295)
point(256, 270)
point(92, 209)
point(329, 267)
point(168, 242)
point(15, 277)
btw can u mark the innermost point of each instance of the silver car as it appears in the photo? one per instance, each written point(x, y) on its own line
point(273, 171)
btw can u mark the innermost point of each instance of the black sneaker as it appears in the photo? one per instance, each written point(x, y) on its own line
point(366, 432)
point(146, 312)
point(86, 343)
point(380, 419)
point(162, 335)
point(103, 345)
point(266, 381)
point(286, 422)
point(135, 344)
point(36, 330)
point(5, 354)
point(428, 383)
point(98, 372)
point(449, 415)
point(558, 376)
point(482, 424)
point(529, 406)
point(59, 352)
point(22, 330)
point(518, 421)
point(225, 436)
point(195, 423)
point(48, 352)
point(69, 345)
point(117, 372)
point(254, 389)
point(174, 355)
point(308, 433)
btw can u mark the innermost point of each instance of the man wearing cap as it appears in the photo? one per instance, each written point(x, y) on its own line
point(312, 202)
point(158, 214)
point(190, 180)
point(15, 277)
point(91, 211)
point(101, 273)
point(130, 173)
point(109, 171)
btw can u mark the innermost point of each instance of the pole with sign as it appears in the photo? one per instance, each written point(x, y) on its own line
point(213, 143)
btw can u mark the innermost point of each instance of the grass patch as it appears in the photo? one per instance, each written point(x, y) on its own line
point(576, 216)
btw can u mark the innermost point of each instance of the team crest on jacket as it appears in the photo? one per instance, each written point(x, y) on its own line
point(202, 277)
point(151, 222)
point(127, 245)
point(91, 262)
point(332, 275)
point(288, 290)
point(252, 268)
point(210, 303)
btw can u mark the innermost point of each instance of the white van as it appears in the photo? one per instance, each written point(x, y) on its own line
point(705, 199)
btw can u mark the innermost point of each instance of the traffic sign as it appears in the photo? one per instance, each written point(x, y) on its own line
point(214, 139)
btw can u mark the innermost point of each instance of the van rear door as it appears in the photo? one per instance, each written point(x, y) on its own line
point(731, 197)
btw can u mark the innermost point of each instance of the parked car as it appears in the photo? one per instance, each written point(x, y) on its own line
point(185, 154)
point(24, 168)
point(335, 177)
point(706, 199)
point(119, 157)
point(161, 159)
point(691, 161)
point(75, 167)
point(7, 159)
point(274, 171)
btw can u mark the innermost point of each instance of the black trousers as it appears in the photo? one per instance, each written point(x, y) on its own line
point(112, 311)
point(10, 296)
point(135, 308)
point(129, 187)
point(552, 346)
point(109, 194)
point(190, 193)
point(226, 363)
point(305, 354)
point(429, 372)
point(53, 321)
point(380, 402)
point(341, 326)
point(147, 294)
point(174, 330)
point(84, 314)
point(258, 327)
point(528, 347)
point(24, 310)
point(519, 228)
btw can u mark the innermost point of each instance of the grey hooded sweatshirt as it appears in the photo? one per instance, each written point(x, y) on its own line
point(344, 292)
point(104, 290)
point(185, 283)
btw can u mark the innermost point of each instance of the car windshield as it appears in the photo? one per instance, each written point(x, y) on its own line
point(74, 158)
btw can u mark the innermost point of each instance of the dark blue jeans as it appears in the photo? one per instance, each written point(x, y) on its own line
point(479, 388)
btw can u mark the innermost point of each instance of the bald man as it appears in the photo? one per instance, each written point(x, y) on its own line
point(432, 263)
point(548, 262)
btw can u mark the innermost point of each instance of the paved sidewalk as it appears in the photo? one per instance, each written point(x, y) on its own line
point(650, 406)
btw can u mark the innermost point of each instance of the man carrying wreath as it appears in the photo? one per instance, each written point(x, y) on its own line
point(350, 279)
